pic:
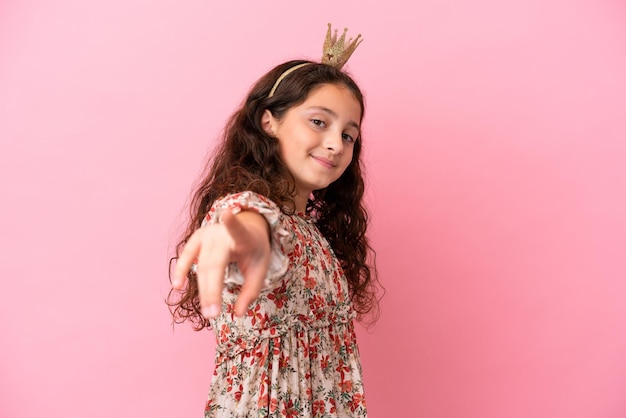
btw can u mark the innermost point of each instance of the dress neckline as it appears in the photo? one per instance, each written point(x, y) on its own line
point(304, 216)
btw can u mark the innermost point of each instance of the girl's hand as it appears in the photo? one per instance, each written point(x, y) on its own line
point(243, 239)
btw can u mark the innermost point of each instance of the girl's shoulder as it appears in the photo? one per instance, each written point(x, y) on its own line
point(246, 200)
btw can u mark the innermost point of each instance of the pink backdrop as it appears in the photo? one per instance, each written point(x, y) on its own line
point(496, 154)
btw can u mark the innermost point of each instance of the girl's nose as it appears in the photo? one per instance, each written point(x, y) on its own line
point(334, 142)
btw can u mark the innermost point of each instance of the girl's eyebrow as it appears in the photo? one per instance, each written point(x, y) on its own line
point(333, 114)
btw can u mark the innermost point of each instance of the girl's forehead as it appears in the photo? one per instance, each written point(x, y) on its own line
point(338, 99)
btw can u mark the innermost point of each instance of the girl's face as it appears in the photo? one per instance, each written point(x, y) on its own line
point(316, 138)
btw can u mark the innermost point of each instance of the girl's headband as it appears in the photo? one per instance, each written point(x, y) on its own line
point(335, 54)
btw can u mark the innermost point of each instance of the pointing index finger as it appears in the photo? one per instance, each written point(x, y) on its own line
point(185, 260)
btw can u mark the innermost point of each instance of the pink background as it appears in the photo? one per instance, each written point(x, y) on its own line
point(495, 143)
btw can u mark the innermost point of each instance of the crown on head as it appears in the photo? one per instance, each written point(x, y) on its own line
point(335, 51)
point(335, 54)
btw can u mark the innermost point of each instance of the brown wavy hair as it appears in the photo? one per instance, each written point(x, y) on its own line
point(247, 158)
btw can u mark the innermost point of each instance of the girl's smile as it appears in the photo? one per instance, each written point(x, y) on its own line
point(325, 161)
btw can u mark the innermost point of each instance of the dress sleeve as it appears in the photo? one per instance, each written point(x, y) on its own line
point(279, 261)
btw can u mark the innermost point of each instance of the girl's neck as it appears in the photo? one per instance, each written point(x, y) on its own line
point(301, 202)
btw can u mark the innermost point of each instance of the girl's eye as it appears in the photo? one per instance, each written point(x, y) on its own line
point(318, 122)
point(348, 138)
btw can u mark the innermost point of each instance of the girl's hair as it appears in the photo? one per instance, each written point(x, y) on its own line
point(248, 158)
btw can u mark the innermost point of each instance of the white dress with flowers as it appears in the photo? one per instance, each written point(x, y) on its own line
point(294, 354)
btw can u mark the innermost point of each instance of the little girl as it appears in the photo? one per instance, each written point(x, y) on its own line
point(275, 257)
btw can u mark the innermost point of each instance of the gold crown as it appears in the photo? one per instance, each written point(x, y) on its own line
point(335, 51)
point(335, 54)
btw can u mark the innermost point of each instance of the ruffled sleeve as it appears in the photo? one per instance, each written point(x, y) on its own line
point(279, 261)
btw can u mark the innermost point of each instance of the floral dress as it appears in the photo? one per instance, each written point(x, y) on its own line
point(294, 354)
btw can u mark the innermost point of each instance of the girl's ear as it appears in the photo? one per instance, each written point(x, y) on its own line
point(268, 122)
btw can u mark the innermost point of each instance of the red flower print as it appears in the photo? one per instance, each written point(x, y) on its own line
point(283, 362)
point(273, 405)
point(289, 411)
point(256, 315)
point(356, 401)
point(313, 351)
point(279, 296)
point(333, 407)
point(309, 282)
point(230, 309)
point(207, 407)
point(297, 251)
point(276, 350)
point(337, 342)
point(342, 369)
point(239, 393)
point(324, 363)
point(261, 356)
point(241, 343)
point(224, 333)
point(319, 407)
point(316, 302)
point(346, 386)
